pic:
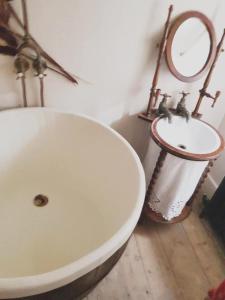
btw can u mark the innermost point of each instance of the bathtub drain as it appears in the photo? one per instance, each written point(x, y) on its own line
point(40, 200)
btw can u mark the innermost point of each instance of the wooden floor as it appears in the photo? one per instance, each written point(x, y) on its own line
point(165, 262)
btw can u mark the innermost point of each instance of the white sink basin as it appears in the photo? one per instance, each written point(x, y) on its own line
point(192, 140)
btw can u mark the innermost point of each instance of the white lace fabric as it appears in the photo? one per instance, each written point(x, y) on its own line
point(168, 211)
point(175, 184)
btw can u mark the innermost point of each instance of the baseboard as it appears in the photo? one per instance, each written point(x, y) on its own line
point(209, 186)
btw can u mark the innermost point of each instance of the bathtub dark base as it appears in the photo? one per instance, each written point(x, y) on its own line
point(79, 288)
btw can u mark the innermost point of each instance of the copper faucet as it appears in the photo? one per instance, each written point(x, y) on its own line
point(181, 109)
point(163, 109)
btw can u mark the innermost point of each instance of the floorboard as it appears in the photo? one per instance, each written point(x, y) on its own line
point(165, 262)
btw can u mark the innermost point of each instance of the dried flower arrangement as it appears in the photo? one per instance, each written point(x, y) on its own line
point(25, 49)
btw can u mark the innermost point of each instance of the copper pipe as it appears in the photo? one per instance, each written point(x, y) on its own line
point(203, 92)
point(25, 104)
point(42, 91)
point(153, 93)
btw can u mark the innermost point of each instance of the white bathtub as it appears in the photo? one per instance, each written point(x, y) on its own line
point(95, 185)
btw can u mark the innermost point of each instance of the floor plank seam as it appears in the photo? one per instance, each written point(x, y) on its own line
point(171, 269)
point(145, 272)
point(196, 255)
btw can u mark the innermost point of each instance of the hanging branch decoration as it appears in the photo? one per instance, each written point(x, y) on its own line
point(8, 43)
point(4, 13)
point(42, 51)
point(22, 46)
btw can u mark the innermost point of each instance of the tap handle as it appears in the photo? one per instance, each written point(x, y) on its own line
point(215, 98)
point(165, 95)
point(184, 93)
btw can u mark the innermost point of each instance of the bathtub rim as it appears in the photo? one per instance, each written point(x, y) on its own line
point(17, 287)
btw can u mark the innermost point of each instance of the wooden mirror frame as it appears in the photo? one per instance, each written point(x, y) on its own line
point(172, 31)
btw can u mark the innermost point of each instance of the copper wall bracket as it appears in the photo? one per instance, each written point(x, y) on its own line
point(203, 91)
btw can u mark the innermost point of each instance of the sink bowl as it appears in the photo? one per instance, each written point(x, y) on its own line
point(195, 140)
point(71, 193)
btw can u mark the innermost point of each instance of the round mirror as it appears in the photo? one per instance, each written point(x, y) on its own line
point(191, 46)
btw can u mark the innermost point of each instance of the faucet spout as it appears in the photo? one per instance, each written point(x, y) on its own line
point(181, 109)
point(163, 109)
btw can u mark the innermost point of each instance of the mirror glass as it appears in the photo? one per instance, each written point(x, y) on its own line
point(190, 47)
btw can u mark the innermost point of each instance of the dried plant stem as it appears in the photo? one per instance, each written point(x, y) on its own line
point(42, 51)
point(53, 62)
point(25, 17)
point(32, 58)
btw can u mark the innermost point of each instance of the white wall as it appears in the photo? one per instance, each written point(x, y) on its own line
point(112, 45)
